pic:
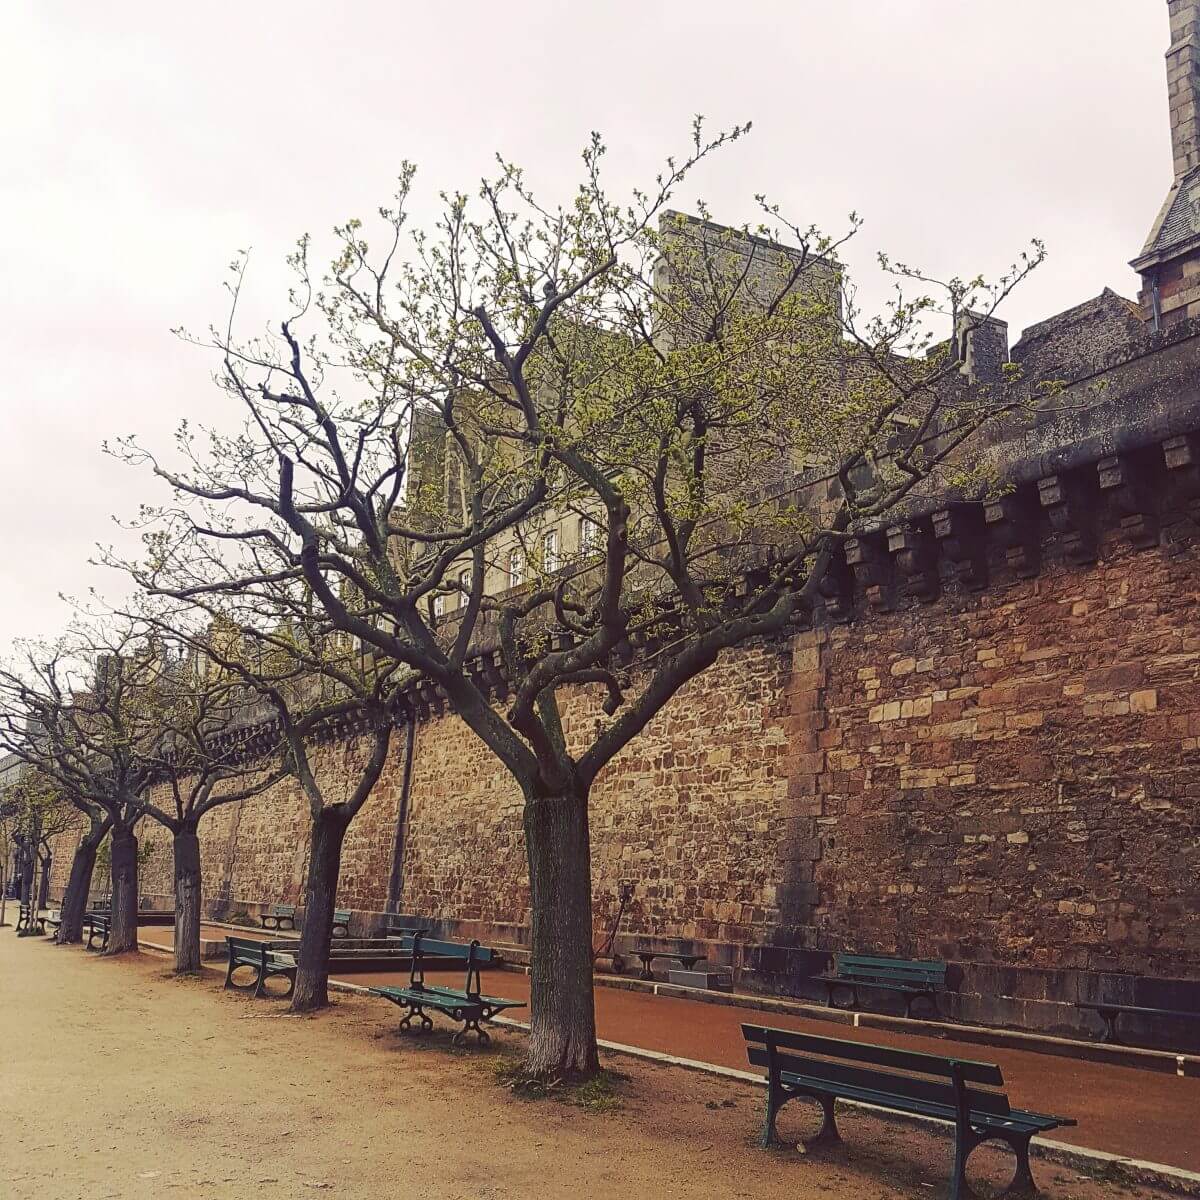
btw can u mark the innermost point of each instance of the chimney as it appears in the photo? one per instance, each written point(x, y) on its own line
point(982, 344)
point(1183, 83)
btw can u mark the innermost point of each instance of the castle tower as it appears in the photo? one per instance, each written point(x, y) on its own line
point(1169, 263)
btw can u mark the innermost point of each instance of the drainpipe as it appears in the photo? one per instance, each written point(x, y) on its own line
point(396, 880)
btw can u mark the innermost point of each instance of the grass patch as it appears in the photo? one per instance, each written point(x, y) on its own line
point(603, 1093)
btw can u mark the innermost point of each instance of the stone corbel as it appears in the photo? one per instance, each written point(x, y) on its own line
point(873, 570)
point(1012, 521)
point(430, 698)
point(1069, 503)
point(1125, 483)
point(962, 534)
point(492, 664)
point(476, 672)
point(1182, 457)
point(836, 587)
point(915, 554)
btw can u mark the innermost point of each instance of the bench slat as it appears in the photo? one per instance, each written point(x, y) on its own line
point(870, 1055)
point(848, 965)
point(915, 979)
point(915, 987)
point(1012, 1119)
point(887, 1085)
point(429, 997)
point(450, 949)
point(879, 960)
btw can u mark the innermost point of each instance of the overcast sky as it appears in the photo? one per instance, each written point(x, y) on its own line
point(143, 143)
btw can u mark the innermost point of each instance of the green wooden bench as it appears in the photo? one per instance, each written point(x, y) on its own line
point(1111, 1012)
point(915, 979)
point(957, 1091)
point(266, 962)
point(341, 922)
point(466, 1004)
point(275, 916)
point(681, 952)
point(98, 925)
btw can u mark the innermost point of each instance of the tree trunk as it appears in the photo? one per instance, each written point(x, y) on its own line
point(123, 932)
point(28, 871)
point(187, 899)
point(562, 1042)
point(44, 885)
point(74, 905)
point(320, 896)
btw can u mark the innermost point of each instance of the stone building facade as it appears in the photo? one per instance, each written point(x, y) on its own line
point(985, 750)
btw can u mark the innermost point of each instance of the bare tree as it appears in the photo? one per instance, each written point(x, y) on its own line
point(313, 685)
point(570, 453)
point(77, 713)
point(39, 814)
point(211, 750)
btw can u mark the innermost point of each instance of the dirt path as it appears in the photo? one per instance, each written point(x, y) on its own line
point(118, 1081)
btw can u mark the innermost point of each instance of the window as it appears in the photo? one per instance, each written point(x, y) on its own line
point(589, 536)
point(550, 560)
point(464, 583)
point(516, 568)
point(439, 606)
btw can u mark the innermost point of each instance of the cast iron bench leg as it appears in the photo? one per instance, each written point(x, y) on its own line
point(460, 1038)
point(852, 988)
point(911, 998)
point(415, 1010)
point(774, 1104)
point(1022, 1181)
point(965, 1141)
point(829, 1130)
point(1110, 1026)
point(688, 963)
point(647, 960)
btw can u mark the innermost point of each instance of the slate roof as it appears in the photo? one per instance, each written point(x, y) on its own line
point(1178, 223)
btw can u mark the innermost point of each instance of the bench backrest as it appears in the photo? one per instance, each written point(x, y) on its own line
point(664, 947)
point(472, 953)
point(283, 910)
point(244, 944)
point(902, 1073)
point(399, 926)
point(260, 950)
point(920, 972)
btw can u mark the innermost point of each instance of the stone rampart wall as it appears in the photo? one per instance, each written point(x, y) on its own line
point(1003, 777)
